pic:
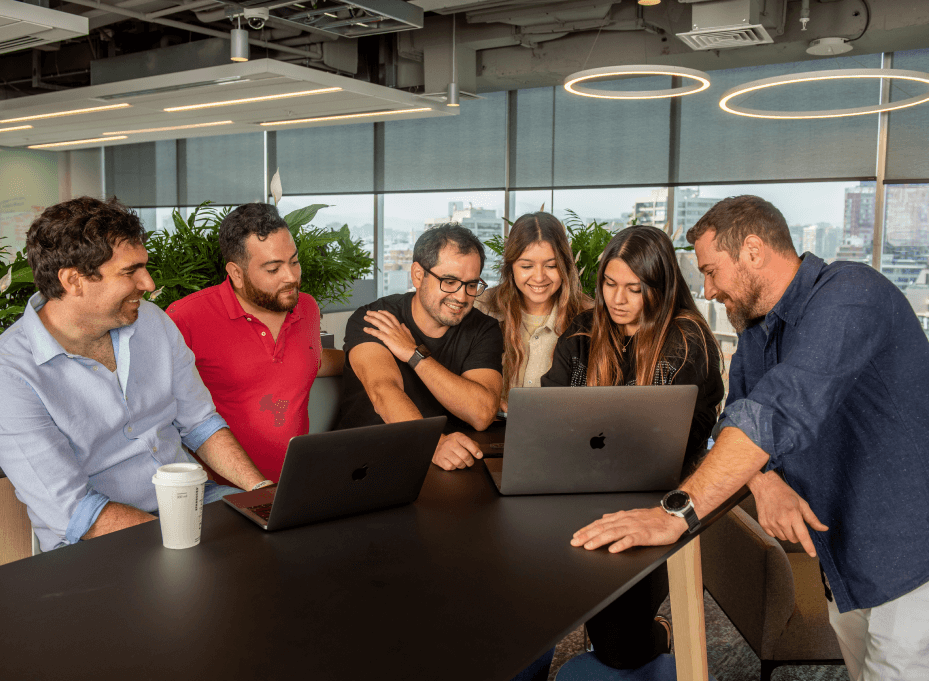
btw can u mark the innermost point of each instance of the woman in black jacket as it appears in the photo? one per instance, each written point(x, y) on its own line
point(644, 329)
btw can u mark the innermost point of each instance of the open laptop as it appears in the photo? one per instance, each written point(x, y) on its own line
point(343, 472)
point(593, 439)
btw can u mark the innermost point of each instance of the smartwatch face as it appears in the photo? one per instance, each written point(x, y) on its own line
point(676, 501)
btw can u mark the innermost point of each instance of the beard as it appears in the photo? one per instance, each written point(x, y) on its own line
point(283, 300)
point(746, 311)
point(435, 309)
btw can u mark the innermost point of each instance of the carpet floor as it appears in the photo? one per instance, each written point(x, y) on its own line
point(728, 656)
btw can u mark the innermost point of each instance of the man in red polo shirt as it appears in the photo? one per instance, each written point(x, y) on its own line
point(256, 337)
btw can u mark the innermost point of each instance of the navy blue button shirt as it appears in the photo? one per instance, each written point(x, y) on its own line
point(834, 386)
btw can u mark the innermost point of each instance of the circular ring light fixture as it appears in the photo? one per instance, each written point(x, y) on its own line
point(841, 74)
point(571, 82)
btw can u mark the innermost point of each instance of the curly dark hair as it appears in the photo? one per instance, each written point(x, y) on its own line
point(79, 233)
point(260, 219)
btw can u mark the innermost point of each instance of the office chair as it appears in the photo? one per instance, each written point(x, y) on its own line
point(771, 591)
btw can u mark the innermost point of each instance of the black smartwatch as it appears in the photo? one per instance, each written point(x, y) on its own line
point(677, 502)
point(419, 354)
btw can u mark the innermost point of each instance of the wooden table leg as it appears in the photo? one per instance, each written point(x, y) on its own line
point(686, 580)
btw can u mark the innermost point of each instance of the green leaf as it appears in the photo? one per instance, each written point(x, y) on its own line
point(303, 216)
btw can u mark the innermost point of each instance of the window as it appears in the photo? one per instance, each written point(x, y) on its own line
point(407, 216)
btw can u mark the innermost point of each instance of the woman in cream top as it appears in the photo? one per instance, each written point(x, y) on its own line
point(538, 296)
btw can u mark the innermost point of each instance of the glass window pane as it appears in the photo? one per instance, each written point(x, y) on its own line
point(908, 128)
point(354, 210)
point(407, 216)
point(717, 146)
point(906, 244)
point(227, 169)
point(463, 151)
point(612, 142)
point(142, 174)
point(336, 158)
point(532, 156)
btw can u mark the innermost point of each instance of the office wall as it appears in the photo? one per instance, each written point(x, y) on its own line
point(80, 173)
point(29, 183)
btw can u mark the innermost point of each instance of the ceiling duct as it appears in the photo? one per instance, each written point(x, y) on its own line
point(725, 24)
point(25, 26)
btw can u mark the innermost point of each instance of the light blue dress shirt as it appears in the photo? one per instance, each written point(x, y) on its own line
point(74, 435)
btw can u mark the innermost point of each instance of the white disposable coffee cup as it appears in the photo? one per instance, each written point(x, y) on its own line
point(179, 488)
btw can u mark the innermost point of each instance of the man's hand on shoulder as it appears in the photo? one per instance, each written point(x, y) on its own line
point(393, 334)
point(455, 451)
point(625, 529)
point(783, 513)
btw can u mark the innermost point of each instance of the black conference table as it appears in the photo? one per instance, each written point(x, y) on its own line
point(461, 585)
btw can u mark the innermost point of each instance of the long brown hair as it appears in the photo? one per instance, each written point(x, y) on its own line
point(505, 299)
point(666, 304)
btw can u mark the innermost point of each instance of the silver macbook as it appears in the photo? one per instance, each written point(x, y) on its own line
point(327, 475)
point(593, 439)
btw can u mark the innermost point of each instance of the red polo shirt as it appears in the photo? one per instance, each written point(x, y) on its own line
point(260, 386)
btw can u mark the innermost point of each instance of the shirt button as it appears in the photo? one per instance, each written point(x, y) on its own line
point(537, 338)
point(263, 333)
point(154, 449)
point(95, 368)
point(130, 429)
point(530, 382)
point(248, 319)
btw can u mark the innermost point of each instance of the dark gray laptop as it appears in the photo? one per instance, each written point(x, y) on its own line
point(594, 439)
point(343, 472)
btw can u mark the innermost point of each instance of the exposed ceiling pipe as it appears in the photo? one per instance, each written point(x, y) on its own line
point(187, 27)
point(195, 4)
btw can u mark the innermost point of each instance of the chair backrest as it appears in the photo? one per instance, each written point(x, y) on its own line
point(16, 538)
point(324, 403)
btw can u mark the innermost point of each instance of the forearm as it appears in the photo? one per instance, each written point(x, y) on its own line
point(223, 453)
point(392, 404)
point(468, 400)
point(115, 517)
point(730, 464)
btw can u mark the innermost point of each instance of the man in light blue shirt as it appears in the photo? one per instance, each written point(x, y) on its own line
point(98, 385)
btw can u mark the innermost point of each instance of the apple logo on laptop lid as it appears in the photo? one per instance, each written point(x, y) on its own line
point(360, 473)
point(598, 441)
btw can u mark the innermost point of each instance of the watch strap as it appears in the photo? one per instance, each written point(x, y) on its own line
point(419, 354)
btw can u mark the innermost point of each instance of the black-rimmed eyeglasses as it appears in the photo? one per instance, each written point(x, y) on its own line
point(452, 285)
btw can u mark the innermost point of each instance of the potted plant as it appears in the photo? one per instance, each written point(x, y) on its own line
point(188, 259)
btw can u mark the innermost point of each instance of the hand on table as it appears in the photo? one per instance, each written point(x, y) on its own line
point(456, 450)
point(783, 513)
point(391, 333)
point(624, 529)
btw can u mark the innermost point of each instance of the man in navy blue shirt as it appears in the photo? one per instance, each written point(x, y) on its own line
point(828, 394)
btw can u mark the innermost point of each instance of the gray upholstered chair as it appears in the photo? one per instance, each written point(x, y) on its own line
point(771, 591)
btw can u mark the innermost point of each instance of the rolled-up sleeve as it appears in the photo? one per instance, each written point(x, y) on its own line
point(41, 464)
point(833, 342)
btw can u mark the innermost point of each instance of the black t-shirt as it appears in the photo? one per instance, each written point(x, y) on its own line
point(569, 368)
point(476, 343)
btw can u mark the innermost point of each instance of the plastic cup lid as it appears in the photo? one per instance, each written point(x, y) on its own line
point(180, 474)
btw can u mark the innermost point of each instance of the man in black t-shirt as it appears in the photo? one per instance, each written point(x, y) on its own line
point(428, 353)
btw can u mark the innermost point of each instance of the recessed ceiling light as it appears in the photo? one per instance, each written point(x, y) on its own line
point(18, 127)
point(344, 116)
point(173, 127)
point(266, 98)
point(73, 112)
point(76, 142)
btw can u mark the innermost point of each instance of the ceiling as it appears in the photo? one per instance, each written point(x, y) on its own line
point(391, 53)
point(143, 104)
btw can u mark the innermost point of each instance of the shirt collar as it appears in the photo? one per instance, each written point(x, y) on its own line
point(43, 344)
point(792, 304)
point(234, 307)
